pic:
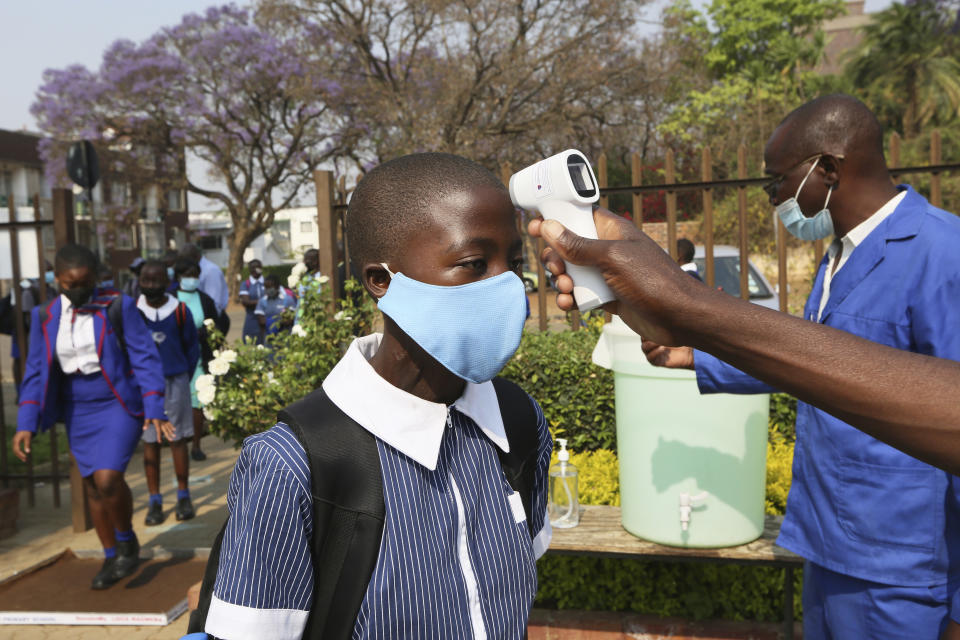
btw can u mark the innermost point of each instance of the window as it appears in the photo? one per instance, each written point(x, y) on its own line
point(125, 238)
point(727, 277)
point(306, 226)
point(175, 200)
point(6, 187)
point(211, 243)
point(119, 193)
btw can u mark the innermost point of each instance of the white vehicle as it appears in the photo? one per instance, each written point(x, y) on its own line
point(726, 271)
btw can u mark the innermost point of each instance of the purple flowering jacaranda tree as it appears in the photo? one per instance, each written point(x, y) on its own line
point(251, 103)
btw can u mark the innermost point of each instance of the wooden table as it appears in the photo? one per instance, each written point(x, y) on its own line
point(600, 534)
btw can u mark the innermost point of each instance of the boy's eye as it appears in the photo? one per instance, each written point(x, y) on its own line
point(479, 266)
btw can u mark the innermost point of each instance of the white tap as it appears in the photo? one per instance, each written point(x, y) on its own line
point(687, 504)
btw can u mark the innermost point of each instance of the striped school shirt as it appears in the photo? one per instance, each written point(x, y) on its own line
point(456, 558)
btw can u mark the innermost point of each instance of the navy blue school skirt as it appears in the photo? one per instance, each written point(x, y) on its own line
point(101, 433)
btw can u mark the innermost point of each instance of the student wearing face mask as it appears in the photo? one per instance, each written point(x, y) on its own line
point(407, 497)
point(251, 290)
point(202, 308)
point(880, 529)
point(93, 365)
point(270, 308)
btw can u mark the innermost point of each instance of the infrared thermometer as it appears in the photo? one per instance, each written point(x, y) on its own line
point(563, 188)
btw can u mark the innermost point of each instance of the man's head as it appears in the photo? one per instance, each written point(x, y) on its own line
point(685, 251)
point(75, 270)
point(256, 268)
point(271, 285)
point(311, 260)
point(154, 280)
point(191, 251)
point(435, 217)
point(841, 140)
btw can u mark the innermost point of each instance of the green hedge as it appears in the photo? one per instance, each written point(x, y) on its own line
point(575, 394)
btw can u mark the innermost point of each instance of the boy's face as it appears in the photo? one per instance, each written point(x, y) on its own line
point(471, 235)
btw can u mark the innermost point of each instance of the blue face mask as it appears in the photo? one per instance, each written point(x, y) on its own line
point(471, 329)
point(49, 277)
point(813, 228)
point(170, 272)
point(106, 284)
point(189, 284)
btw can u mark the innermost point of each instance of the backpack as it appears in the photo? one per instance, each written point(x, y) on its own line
point(348, 507)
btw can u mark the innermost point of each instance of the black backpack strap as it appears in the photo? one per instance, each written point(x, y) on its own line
point(348, 510)
point(520, 424)
point(198, 617)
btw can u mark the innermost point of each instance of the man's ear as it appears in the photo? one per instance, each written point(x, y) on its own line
point(375, 279)
point(829, 166)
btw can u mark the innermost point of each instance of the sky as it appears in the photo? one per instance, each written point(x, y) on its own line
point(43, 34)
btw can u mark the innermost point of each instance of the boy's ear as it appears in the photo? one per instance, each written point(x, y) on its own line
point(375, 279)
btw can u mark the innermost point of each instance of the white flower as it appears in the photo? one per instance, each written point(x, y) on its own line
point(339, 315)
point(209, 324)
point(204, 381)
point(207, 414)
point(206, 395)
point(260, 346)
point(323, 279)
point(298, 270)
point(230, 356)
point(219, 367)
point(271, 378)
point(292, 281)
point(298, 331)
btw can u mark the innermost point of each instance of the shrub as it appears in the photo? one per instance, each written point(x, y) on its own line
point(252, 383)
point(575, 394)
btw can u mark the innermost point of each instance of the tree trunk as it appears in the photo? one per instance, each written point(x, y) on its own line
point(239, 242)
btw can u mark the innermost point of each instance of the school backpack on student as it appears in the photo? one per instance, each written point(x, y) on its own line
point(348, 507)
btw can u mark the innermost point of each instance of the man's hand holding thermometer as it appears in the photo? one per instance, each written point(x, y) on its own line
point(563, 188)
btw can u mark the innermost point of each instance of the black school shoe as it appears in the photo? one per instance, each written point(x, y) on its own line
point(154, 514)
point(128, 559)
point(197, 454)
point(105, 577)
point(184, 509)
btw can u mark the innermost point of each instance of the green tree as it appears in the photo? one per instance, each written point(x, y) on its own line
point(755, 58)
point(908, 66)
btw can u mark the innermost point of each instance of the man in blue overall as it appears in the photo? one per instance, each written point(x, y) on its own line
point(880, 530)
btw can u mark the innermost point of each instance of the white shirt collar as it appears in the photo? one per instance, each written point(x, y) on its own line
point(859, 233)
point(257, 280)
point(410, 424)
point(689, 266)
point(157, 313)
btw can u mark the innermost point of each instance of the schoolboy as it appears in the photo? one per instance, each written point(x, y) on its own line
point(451, 553)
point(270, 308)
point(251, 290)
point(175, 333)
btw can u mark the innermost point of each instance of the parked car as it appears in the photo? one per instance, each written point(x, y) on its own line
point(726, 271)
point(531, 282)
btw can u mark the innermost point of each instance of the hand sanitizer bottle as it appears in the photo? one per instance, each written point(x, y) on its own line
point(564, 503)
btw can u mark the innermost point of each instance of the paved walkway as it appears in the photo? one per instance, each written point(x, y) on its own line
point(45, 531)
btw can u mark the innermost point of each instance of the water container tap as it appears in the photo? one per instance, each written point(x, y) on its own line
point(687, 504)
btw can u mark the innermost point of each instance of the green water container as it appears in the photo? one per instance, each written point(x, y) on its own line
point(692, 467)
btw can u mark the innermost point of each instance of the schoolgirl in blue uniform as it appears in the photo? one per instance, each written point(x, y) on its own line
point(174, 332)
point(105, 391)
